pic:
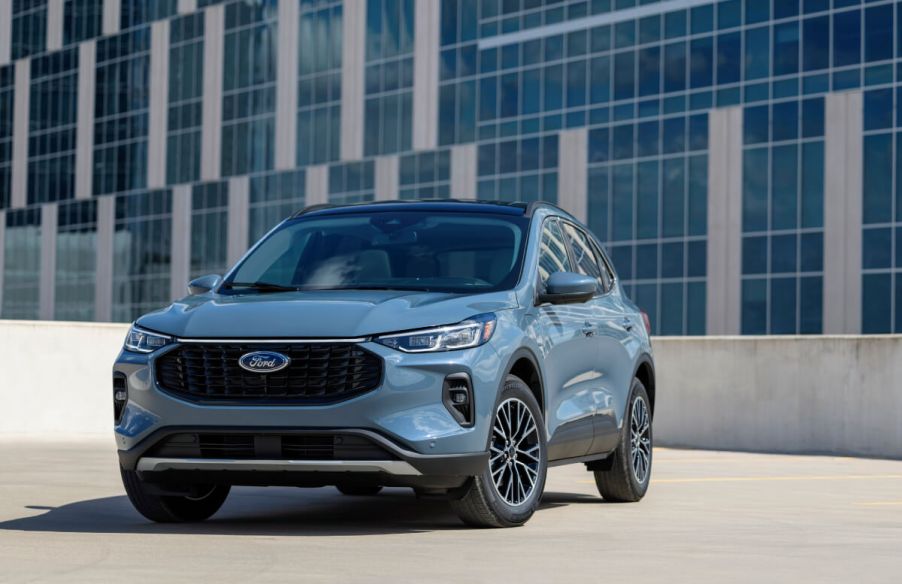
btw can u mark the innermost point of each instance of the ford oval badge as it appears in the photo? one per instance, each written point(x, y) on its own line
point(263, 362)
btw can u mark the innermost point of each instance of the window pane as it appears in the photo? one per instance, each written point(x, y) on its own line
point(813, 184)
point(757, 53)
point(785, 187)
point(701, 62)
point(878, 33)
point(847, 38)
point(647, 200)
point(786, 48)
point(876, 303)
point(783, 306)
point(754, 307)
point(811, 305)
point(878, 178)
point(754, 196)
point(728, 57)
point(673, 197)
point(622, 202)
point(816, 47)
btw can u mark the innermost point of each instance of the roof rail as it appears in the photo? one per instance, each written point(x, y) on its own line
point(533, 205)
point(321, 206)
point(316, 207)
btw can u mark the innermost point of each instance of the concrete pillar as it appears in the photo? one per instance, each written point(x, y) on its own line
point(316, 185)
point(187, 6)
point(6, 34)
point(463, 171)
point(386, 178)
point(112, 14)
point(47, 286)
point(106, 226)
point(724, 285)
point(427, 24)
point(573, 159)
point(19, 195)
point(55, 24)
point(159, 104)
point(843, 147)
point(353, 66)
point(2, 253)
point(211, 122)
point(239, 200)
point(84, 153)
point(180, 266)
point(287, 85)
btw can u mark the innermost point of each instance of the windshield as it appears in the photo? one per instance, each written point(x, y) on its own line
point(439, 252)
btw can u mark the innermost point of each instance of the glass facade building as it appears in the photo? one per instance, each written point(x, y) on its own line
point(738, 158)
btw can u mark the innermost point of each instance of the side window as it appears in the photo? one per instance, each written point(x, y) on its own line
point(605, 265)
point(587, 263)
point(553, 255)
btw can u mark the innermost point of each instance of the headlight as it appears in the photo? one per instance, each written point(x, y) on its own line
point(472, 332)
point(141, 341)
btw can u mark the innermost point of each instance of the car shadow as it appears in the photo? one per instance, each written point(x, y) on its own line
point(271, 511)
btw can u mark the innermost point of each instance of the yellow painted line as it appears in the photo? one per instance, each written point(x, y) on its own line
point(771, 478)
point(880, 503)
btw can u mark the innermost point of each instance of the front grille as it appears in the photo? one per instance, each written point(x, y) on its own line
point(318, 373)
point(270, 447)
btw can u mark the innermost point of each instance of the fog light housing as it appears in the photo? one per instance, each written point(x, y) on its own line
point(457, 395)
point(120, 395)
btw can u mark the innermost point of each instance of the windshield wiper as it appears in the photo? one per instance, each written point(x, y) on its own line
point(262, 286)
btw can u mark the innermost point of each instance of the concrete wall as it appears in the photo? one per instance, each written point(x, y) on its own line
point(837, 395)
point(56, 378)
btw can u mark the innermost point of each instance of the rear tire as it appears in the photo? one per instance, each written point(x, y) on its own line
point(358, 490)
point(172, 508)
point(626, 481)
point(498, 497)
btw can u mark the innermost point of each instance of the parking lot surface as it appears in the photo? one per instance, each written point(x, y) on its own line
point(708, 517)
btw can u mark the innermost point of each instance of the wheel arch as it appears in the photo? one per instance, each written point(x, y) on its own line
point(645, 372)
point(524, 364)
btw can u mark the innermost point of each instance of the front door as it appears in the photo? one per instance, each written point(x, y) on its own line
point(570, 354)
point(611, 335)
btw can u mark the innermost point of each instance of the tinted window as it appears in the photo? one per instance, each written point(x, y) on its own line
point(553, 251)
point(584, 256)
point(439, 252)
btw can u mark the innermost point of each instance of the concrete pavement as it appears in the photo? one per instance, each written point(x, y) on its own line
point(709, 517)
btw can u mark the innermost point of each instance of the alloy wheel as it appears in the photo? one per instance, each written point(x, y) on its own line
point(515, 452)
point(640, 439)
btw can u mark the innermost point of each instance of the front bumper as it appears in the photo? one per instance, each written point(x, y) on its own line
point(400, 467)
point(404, 415)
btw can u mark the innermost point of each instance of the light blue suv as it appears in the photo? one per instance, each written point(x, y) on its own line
point(458, 348)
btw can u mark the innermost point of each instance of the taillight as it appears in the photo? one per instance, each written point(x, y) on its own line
point(647, 322)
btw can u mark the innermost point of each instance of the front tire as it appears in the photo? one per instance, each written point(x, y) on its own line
point(509, 490)
point(626, 481)
point(172, 508)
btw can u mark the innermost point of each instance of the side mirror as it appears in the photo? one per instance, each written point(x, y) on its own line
point(568, 288)
point(204, 284)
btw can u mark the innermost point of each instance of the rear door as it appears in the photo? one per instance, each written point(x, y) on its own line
point(569, 355)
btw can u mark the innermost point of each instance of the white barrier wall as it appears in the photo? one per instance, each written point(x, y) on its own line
point(837, 395)
point(56, 377)
point(830, 395)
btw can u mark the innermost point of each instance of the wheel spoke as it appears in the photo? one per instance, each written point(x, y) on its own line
point(640, 442)
point(515, 452)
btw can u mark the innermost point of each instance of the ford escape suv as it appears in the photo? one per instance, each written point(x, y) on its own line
point(458, 348)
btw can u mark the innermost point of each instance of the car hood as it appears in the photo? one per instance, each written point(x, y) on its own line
point(319, 314)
